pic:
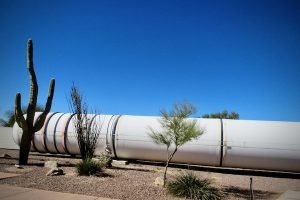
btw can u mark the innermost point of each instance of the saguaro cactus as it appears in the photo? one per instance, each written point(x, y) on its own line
point(28, 126)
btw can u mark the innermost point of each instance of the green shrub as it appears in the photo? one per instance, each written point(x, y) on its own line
point(89, 167)
point(105, 159)
point(191, 187)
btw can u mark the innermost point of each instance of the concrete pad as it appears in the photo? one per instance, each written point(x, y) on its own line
point(8, 191)
point(52, 164)
point(48, 195)
point(7, 175)
point(120, 162)
point(18, 193)
point(290, 195)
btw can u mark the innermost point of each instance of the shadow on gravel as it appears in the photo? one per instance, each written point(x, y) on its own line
point(8, 162)
point(238, 192)
point(55, 155)
point(133, 169)
point(9, 158)
point(103, 175)
point(234, 171)
point(66, 165)
point(30, 163)
point(35, 163)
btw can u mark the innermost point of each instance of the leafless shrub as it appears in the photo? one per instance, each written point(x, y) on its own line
point(87, 127)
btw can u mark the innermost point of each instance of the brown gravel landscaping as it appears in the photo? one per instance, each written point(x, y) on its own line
point(136, 180)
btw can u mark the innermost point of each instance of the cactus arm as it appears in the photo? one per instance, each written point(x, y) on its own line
point(33, 84)
point(19, 114)
point(27, 124)
point(41, 119)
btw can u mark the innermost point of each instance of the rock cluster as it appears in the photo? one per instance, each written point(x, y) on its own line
point(54, 170)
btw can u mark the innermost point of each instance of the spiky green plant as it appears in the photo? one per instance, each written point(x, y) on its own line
point(88, 167)
point(189, 186)
point(105, 159)
point(28, 125)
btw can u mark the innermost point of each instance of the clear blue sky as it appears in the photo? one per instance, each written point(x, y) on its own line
point(135, 57)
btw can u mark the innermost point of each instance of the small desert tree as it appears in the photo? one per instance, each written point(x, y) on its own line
point(223, 115)
point(87, 130)
point(177, 130)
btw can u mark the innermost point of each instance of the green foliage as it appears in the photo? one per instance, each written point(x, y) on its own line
point(28, 125)
point(223, 115)
point(105, 159)
point(177, 130)
point(88, 167)
point(191, 187)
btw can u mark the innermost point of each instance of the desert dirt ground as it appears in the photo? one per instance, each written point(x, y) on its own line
point(136, 180)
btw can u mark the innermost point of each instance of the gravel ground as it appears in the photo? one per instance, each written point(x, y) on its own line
point(136, 180)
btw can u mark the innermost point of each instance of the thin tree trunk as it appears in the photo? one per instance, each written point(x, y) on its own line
point(165, 173)
point(167, 164)
point(166, 167)
point(251, 189)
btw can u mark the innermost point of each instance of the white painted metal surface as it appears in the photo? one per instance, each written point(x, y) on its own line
point(133, 141)
point(50, 132)
point(17, 133)
point(262, 145)
point(246, 144)
point(6, 138)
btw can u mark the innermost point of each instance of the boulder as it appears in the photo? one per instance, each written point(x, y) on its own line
point(120, 162)
point(52, 164)
point(159, 181)
point(55, 172)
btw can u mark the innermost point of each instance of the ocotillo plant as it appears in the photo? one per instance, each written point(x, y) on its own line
point(28, 125)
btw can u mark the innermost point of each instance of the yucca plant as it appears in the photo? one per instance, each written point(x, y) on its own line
point(88, 167)
point(189, 186)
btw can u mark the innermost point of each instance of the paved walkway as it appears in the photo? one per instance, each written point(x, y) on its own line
point(290, 195)
point(7, 175)
point(8, 192)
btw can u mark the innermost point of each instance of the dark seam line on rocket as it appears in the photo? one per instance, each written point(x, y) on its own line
point(106, 138)
point(66, 133)
point(45, 132)
point(114, 136)
point(222, 144)
point(54, 134)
